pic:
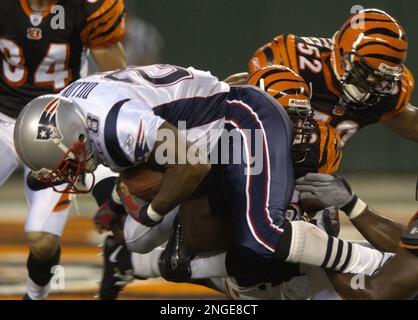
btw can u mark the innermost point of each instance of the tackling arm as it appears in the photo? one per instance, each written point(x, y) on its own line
point(182, 177)
point(332, 191)
point(383, 233)
point(405, 124)
point(397, 279)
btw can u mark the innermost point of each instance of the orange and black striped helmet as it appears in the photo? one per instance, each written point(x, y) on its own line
point(318, 145)
point(284, 85)
point(368, 55)
point(291, 91)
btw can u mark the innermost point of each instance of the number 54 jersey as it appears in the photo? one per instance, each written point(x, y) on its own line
point(42, 52)
point(310, 57)
point(125, 108)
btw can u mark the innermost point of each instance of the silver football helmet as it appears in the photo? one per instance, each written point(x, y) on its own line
point(51, 138)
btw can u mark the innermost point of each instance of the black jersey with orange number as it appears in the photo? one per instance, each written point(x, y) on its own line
point(42, 52)
point(409, 239)
point(310, 58)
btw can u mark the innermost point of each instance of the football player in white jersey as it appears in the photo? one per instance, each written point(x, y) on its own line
point(133, 116)
point(206, 232)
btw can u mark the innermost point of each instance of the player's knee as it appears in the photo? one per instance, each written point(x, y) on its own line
point(140, 238)
point(135, 243)
point(43, 245)
point(140, 246)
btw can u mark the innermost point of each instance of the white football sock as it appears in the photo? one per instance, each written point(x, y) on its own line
point(146, 265)
point(312, 246)
point(209, 267)
point(36, 292)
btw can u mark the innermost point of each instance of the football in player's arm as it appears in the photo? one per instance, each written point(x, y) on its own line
point(398, 277)
point(179, 180)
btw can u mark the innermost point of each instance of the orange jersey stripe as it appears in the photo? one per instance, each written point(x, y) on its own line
point(106, 26)
point(265, 56)
point(282, 51)
point(291, 52)
point(63, 203)
point(107, 6)
point(330, 148)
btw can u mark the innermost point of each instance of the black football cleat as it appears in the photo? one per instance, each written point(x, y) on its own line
point(26, 297)
point(175, 260)
point(118, 271)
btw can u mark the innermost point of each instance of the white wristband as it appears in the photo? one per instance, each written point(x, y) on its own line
point(153, 215)
point(358, 209)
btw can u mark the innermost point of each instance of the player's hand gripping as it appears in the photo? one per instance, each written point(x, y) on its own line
point(330, 191)
point(137, 208)
point(327, 220)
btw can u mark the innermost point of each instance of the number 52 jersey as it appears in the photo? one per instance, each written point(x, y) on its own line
point(310, 57)
point(42, 52)
point(125, 108)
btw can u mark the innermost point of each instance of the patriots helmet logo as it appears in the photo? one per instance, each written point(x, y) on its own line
point(47, 126)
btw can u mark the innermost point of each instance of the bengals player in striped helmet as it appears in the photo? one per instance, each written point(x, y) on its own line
point(358, 77)
point(317, 145)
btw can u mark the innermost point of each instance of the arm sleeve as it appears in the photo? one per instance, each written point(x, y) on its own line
point(279, 51)
point(104, 23)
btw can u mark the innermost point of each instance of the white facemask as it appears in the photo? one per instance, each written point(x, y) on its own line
point(354, 94)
